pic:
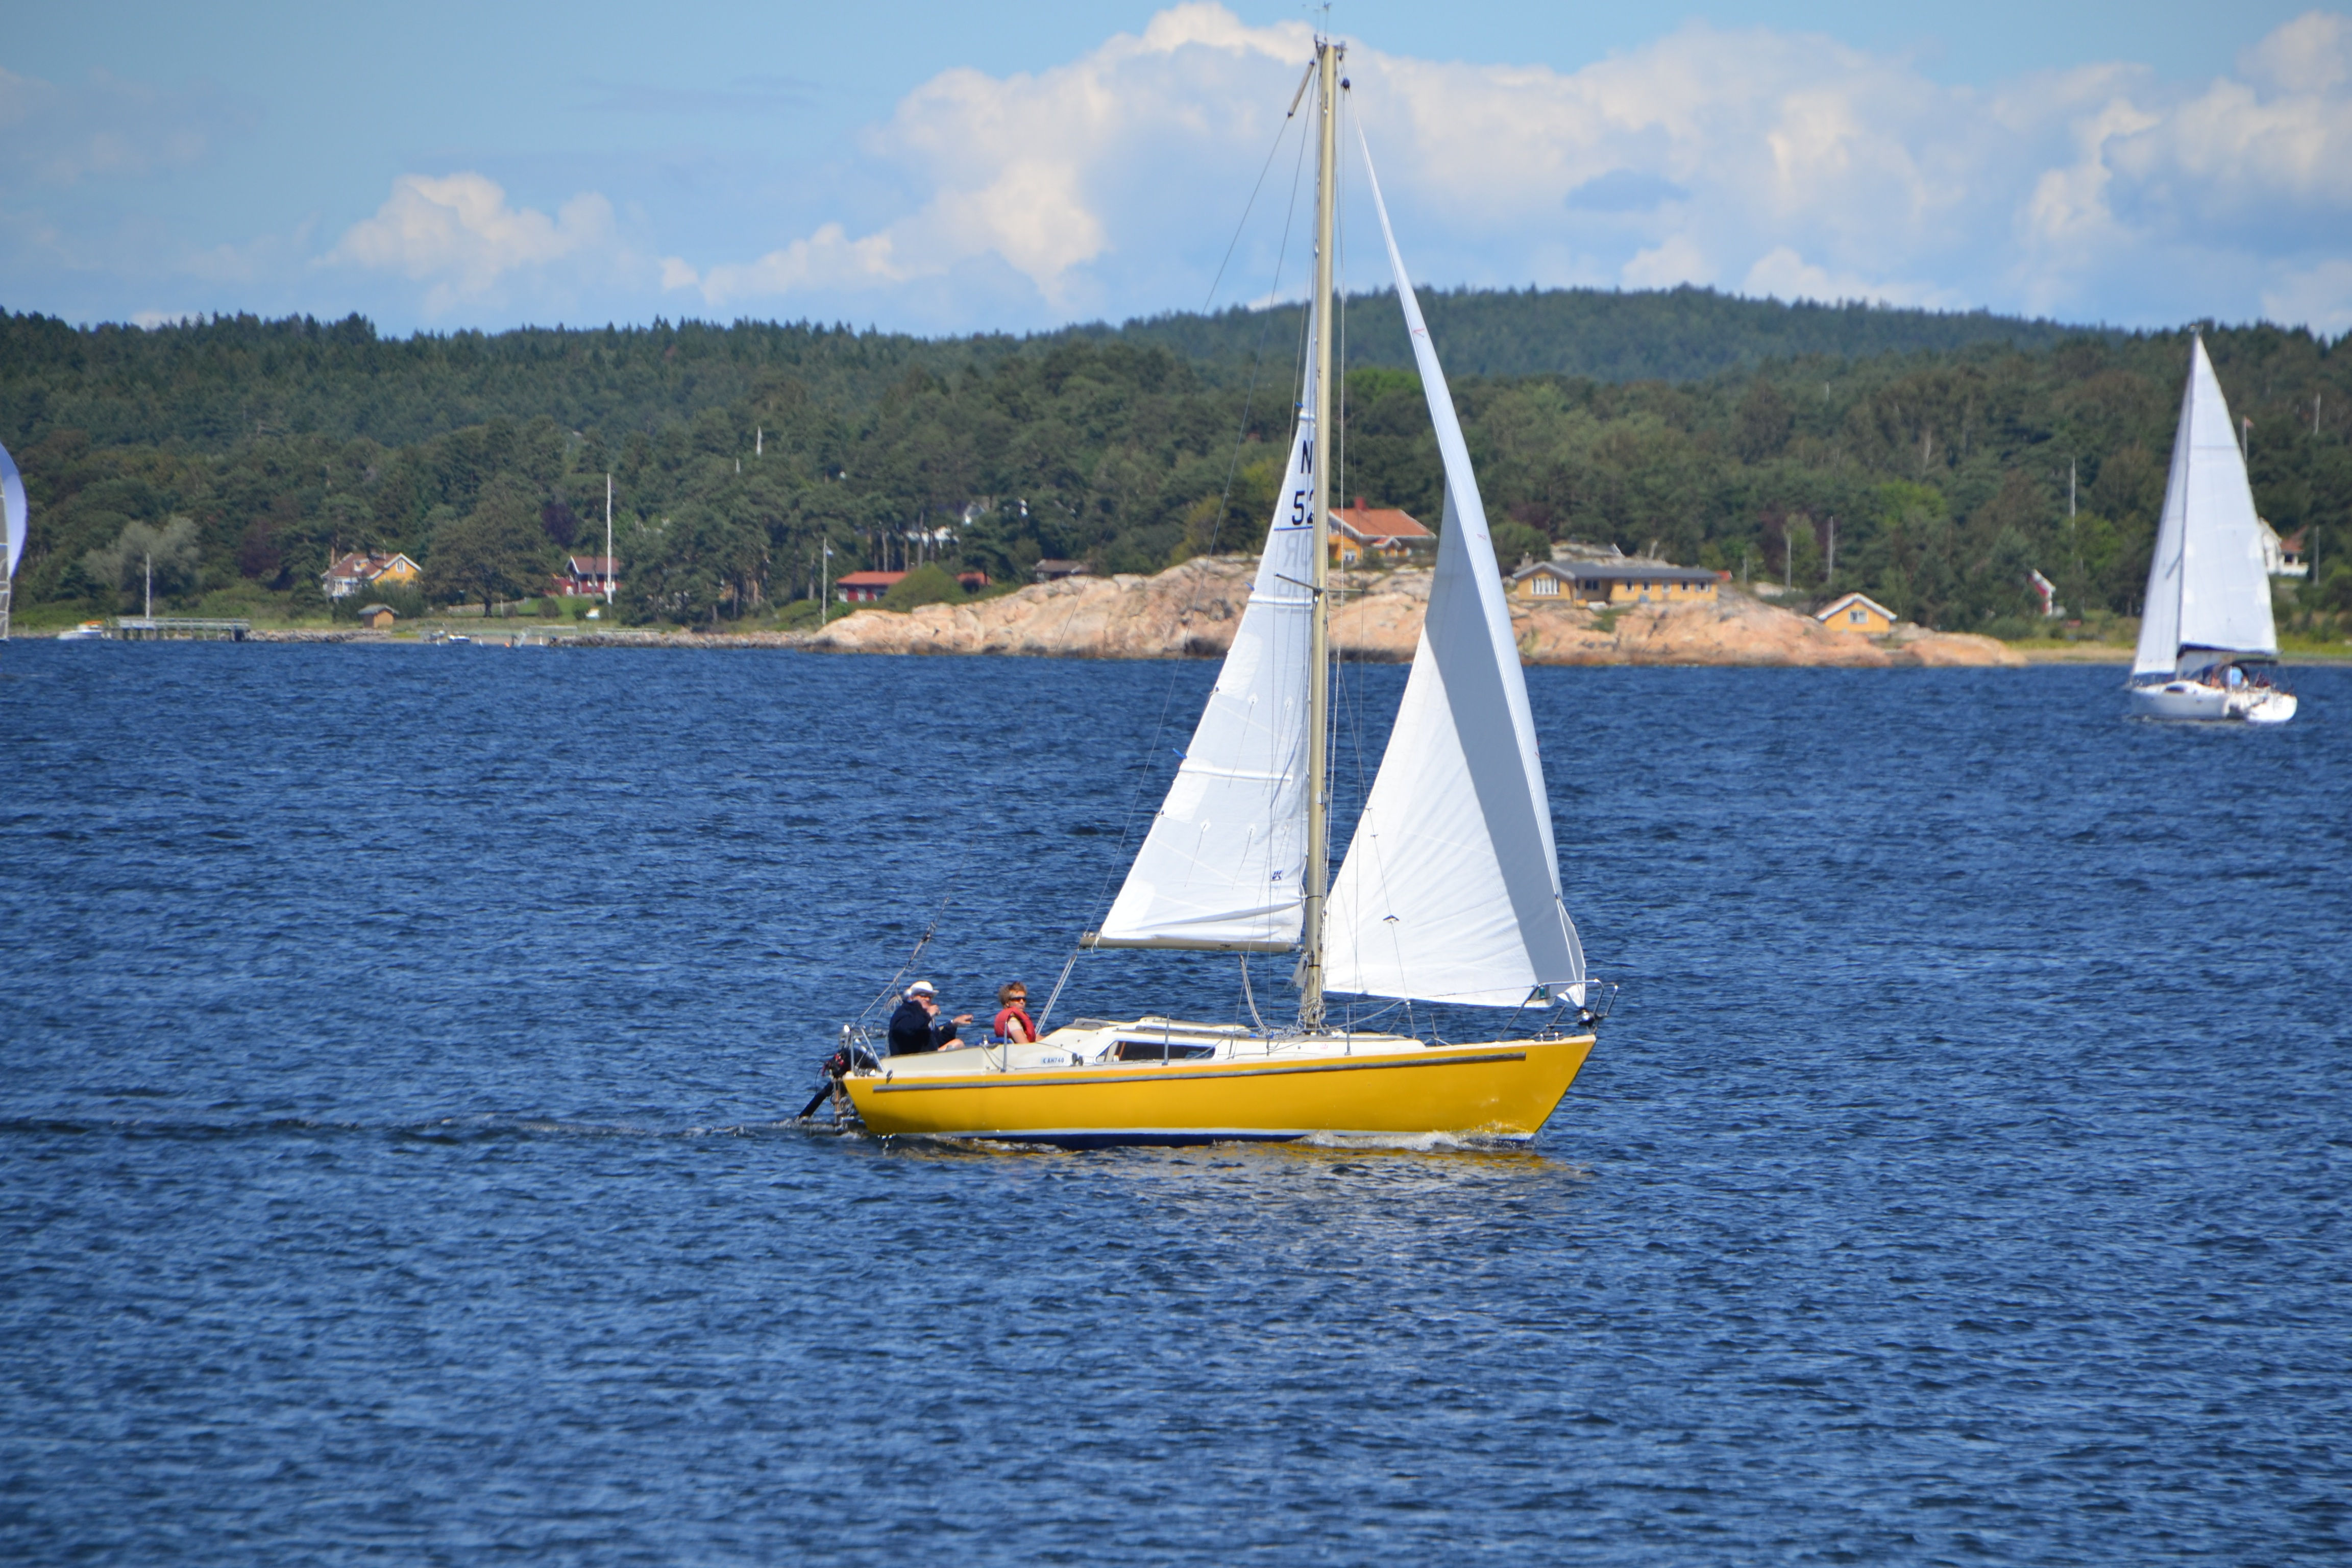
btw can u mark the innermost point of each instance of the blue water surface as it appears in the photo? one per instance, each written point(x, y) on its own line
point(397, 1045)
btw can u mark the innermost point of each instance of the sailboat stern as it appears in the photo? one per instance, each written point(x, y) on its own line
point(1248, 1091)
point(2213, 688)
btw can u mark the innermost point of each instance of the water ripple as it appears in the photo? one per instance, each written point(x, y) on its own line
point(398, 1044)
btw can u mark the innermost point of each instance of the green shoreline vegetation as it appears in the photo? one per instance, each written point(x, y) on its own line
point(1928, 454)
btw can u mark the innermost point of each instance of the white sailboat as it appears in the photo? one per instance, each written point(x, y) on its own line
point(13, 510)
point(1449, 892)
point(2208, 649)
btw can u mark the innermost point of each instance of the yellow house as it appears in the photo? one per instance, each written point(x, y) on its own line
point(1615, 582)
point(1857, 613)
point(363, 569)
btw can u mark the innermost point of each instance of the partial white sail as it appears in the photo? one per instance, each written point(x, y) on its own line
point(12, 503)
point(2207, 586)
point(1450, 891)
point(1224, 861)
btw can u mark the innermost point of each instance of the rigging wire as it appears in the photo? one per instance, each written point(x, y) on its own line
point(920, 942)
point(1250, 205)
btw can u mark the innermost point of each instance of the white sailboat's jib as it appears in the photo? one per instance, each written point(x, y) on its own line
point(2208, 590)
point(1450, 890)
point(1225, 863)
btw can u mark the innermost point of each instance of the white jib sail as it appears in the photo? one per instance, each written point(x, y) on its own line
point(1450, 891)
point(2207, 584)
point(1223, 865)
point(12, 502)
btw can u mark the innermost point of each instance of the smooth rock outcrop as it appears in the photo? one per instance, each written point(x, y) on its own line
point(1187, 611)
point(1191, 611)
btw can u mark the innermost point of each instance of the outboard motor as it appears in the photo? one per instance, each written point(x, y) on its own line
point(855, 1051)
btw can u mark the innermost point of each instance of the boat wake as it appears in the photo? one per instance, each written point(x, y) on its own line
point(437, 1129)
point(1415, 1142)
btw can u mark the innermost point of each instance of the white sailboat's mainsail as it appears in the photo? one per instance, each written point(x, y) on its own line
point(2207, 585)
point(12, 502)
point(1224, 863)
point(1450, 891)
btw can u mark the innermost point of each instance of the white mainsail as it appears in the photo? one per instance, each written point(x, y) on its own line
point(12, 502)
point(1450, 891)
point(2207, 585)
point(1224, 864)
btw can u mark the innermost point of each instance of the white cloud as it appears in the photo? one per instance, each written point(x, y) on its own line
point(1790, 162)
point(1036, 174)
point(108, 127)
point(828, 258)
point(1676, 261)
point(1781, 273)
point(2312, 54)
point(458, 233)
point(2320, 296)
point(1766, 160)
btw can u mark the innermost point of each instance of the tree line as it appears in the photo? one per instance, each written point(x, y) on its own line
point(235, 457)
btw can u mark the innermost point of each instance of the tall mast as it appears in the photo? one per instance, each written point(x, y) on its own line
point(2187, 438)
point(1318, 678)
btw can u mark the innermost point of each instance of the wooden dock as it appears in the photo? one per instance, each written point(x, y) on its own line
point(160, 629)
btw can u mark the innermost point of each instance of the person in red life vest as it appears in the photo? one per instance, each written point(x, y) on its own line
point(1013, 1020)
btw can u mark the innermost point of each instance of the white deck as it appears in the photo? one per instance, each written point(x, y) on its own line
point(1093, 1042)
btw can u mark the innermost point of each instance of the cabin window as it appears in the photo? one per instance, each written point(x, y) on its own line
point(1854, 615)
point(1547, 588)
point(1162, 1050)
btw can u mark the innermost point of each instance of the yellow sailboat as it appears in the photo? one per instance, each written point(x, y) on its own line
point(1449, 892)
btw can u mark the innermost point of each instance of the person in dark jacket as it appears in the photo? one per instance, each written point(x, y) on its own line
point(917, 1026)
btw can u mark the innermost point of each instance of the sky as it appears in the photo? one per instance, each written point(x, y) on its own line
point(951, 168)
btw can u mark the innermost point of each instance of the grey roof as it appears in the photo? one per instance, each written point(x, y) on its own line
point(1617, 572)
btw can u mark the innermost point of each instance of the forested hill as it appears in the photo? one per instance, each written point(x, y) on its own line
point(1674, 334)
point(210, 384)
point(1846, 447)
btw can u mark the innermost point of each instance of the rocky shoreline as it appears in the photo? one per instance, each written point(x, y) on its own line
point(1191, 611)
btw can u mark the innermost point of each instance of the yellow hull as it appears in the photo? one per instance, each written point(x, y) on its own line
point(1505, 1089)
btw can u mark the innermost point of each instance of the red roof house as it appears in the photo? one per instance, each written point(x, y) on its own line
point(1380, 531)
point(585, 576)
point(865, 587)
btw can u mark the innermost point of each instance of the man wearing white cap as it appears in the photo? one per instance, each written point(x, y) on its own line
point(917, 1026)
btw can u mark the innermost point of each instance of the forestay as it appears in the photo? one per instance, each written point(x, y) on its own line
point(1223, 864)
point(1450, 890)
point(2206, 584)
